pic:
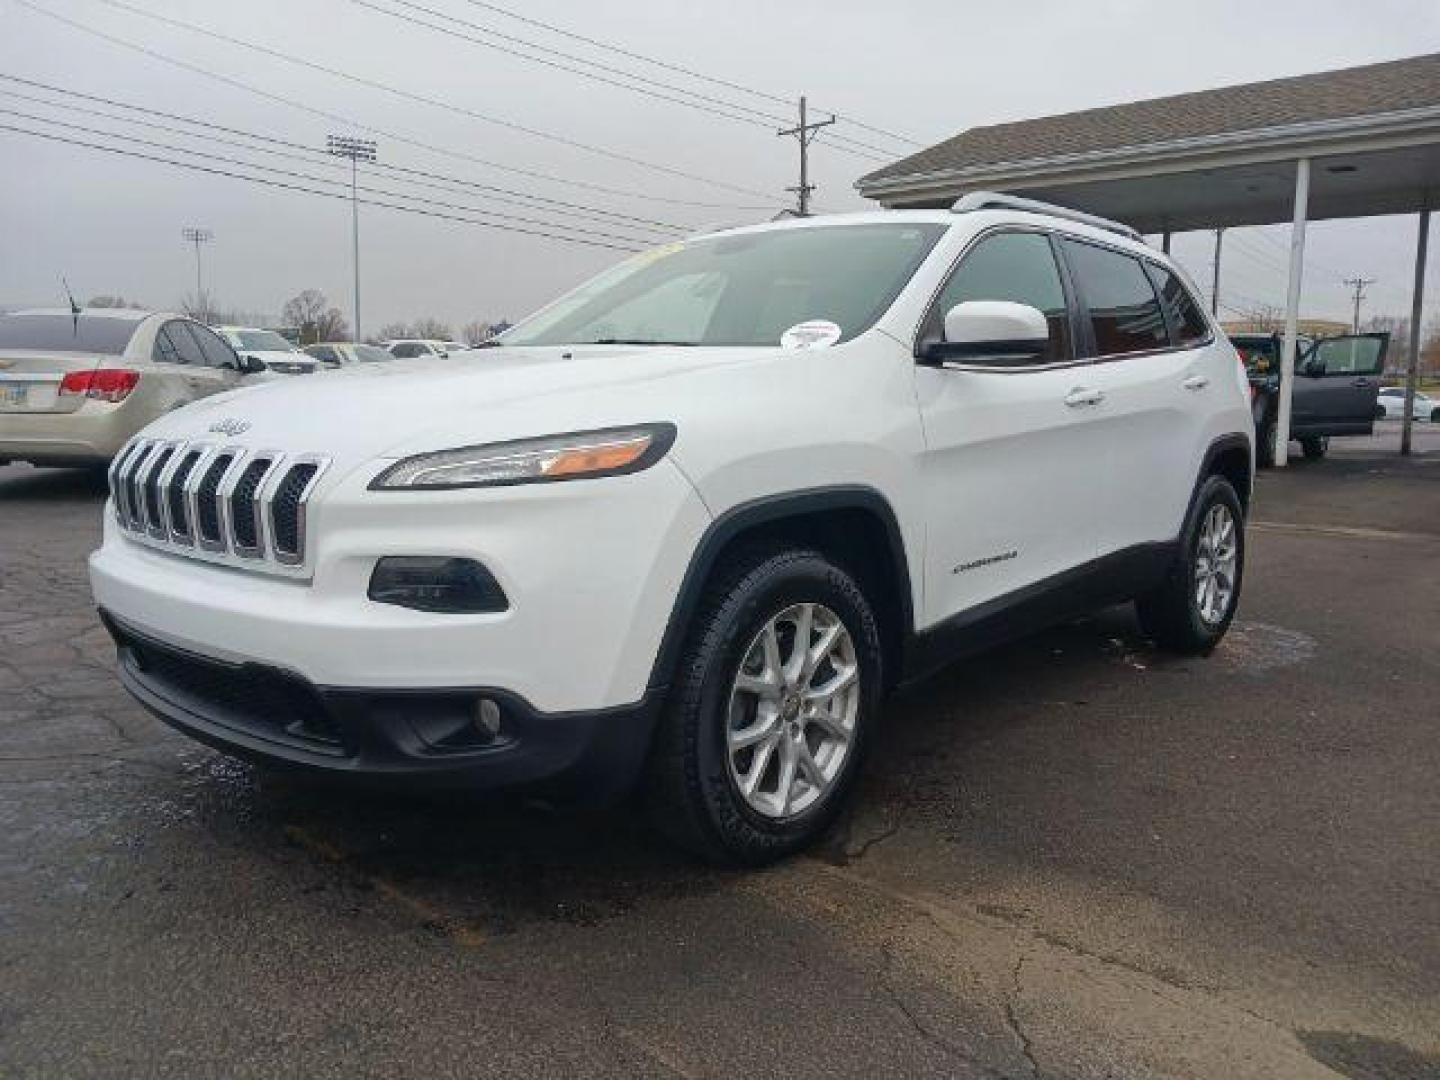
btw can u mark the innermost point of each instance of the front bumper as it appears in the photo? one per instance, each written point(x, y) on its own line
point(384, 738)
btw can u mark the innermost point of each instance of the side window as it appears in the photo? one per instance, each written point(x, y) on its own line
point(1015, 266)
point(1124, 310)
point(167, 348)
point(1189, 325)
point(216, 352)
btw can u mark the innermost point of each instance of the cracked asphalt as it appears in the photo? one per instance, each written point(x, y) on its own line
point(1071, 857)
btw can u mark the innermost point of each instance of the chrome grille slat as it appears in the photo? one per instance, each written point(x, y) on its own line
point(220, 503)
point(152, 504)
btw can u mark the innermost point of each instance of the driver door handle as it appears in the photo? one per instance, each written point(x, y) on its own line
point(1360, 382)
point(1196, 382)
point(1084, 396)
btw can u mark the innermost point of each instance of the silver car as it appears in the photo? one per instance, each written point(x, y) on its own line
point(74, 386)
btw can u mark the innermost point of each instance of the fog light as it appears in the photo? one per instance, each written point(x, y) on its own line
point(487, 718)
point(436, 583)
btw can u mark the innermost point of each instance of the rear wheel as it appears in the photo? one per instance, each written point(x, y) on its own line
point(1265, 445)
point(1315, 446)
point(1191, 610)
point(766, 723)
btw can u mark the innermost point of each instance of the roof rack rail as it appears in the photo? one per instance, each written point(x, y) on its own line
point(994, 200)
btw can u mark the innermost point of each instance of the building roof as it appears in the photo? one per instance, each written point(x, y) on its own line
point(1374, 89)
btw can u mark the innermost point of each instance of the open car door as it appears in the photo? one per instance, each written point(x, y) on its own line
point(1337, 384)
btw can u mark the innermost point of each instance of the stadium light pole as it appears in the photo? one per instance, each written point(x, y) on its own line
point(357, 150)
point(197, 236)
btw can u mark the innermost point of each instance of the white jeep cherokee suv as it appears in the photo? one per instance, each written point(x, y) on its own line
point(692, 521)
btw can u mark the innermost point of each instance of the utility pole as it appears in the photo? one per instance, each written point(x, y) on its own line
point(197, 236)
point(805, 132)
point(1215, 274)
point(1358, 284)
point(357, 150)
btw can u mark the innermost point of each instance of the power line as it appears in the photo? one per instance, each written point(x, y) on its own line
point(311, 191)
point(410, 95)
point(423, 178)
point(703, 102)
point(310, 176)
point(677, 68)
point(399, 137)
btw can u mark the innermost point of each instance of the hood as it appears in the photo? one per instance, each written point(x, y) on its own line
point(372, 411)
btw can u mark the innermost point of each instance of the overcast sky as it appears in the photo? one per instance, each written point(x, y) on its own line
point(923, 68)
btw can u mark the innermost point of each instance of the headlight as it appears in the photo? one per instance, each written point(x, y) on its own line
point(573, 456)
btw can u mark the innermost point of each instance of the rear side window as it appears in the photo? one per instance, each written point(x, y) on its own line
point(1015, 266)
point(1187, 324)
point(1124, 311)
point(216, 352)
point(408, 350)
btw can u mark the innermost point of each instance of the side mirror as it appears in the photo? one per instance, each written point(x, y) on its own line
point(252, 365)
point(994, 333)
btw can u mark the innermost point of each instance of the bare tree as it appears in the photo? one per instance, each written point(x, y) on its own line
point(310, 313)
point(113, 302)
point(430, 327)
point(332, 326)
point(391, 331)
point(473, 333)
point(200, 306)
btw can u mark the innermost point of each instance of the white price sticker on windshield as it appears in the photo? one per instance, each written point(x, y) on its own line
point(814, 334)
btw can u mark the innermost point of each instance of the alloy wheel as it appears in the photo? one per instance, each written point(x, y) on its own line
point(1217, 557)
point(790, 721)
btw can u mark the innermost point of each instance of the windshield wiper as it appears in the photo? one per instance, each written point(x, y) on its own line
point(638, 341)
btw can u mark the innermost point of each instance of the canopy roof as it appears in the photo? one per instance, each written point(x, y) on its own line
point(1207, 159)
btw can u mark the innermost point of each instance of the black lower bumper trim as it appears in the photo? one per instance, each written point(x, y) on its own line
point(387, 738)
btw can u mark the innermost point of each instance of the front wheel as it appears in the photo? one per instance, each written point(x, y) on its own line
point(1192, 608)
point(1315, 446)
point(766, 724)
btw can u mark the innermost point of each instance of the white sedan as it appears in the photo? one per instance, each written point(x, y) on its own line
point(269, 348)
point(1392, 400)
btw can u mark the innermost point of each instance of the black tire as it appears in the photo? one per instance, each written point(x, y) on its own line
point(1169, 614)
point(1265, 446)
point(690, 794)
point(1315, 446)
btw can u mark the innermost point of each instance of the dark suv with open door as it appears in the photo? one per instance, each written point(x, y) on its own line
point(1337, 382)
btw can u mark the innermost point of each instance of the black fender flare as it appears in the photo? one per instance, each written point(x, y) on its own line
point(765, 511)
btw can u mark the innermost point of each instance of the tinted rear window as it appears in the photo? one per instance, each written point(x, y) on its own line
point(1124, 310)
point(58, 331)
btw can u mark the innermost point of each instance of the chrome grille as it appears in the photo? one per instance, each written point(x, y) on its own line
point(220, 503)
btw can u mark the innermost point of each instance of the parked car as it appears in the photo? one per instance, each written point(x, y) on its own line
point(691, 522)
point(340, 354)
point(1392, 404)
point(270, 348)
point(412, 348)
point(74, 386)
point(1337, 380)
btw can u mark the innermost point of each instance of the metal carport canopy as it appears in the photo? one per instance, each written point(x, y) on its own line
point(1351, 143)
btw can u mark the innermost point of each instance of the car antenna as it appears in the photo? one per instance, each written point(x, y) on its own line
point(74, 307)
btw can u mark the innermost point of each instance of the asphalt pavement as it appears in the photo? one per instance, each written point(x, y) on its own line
point(1071, 857)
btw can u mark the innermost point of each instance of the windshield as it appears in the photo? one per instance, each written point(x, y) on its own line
point(59, 331)
point(259, 341)
point(744, 289)
point(372, 354)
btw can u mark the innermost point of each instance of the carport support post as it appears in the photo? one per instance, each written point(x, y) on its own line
point(1292, 309)
point(1165, 241)
point(1417, 303)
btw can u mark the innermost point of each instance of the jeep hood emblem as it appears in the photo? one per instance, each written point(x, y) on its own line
point(230, 426)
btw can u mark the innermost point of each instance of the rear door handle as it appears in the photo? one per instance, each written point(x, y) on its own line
point(1196, 382)
point(1361, 382)
point(1084, 396)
